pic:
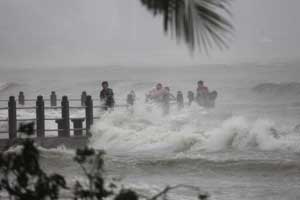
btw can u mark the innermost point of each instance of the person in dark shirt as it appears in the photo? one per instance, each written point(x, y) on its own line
point(130, 98)
point(107, 96)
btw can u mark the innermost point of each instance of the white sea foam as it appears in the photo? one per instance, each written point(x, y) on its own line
point(187, 131)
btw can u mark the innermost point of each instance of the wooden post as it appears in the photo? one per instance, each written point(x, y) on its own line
point(179, 99)
point(12, 118)
point(65, 115)
point(53, 99)
point(77, 124)
point(40, 117)
point(21, 98)
point(83, 98)
point(88, 114)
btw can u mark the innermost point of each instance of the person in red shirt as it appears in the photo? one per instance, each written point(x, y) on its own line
point(157, 93)
point(201, 87)
point(202, 94)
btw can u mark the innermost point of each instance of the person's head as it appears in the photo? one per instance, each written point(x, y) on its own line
point(200, 83)
point(104, 84)
point(158, 86)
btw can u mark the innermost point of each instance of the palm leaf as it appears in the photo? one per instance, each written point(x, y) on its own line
point(197, 22)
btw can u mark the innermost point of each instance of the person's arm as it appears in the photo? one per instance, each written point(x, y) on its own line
point(112, 93)
point(172, 97)
point(102, 96)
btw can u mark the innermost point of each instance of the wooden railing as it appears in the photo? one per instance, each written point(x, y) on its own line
point(63, 122)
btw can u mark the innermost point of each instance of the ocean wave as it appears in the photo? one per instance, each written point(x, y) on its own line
point(7, 85)
point(148, 133)
point(292, 88)
point(239, 164)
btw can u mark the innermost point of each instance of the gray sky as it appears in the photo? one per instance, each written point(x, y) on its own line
point(122, 32)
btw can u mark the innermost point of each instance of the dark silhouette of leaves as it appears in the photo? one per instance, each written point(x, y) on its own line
point(197, 22)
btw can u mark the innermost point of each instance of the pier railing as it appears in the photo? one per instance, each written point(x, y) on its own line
point(63, 123)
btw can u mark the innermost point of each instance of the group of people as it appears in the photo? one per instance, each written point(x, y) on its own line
point(160, 94)
point(203, 96)
point(163, 96)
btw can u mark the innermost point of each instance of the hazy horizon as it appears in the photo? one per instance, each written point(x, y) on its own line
point(123, 33)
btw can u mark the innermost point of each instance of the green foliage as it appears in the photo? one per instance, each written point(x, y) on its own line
point(22, 178)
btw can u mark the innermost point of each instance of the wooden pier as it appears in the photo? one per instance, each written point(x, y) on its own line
point(81, 133)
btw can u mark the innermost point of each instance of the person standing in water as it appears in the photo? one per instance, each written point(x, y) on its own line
point(107, 96)
point(179, 99)
point(156, 93)
point(166, 98)
point(130, 98)
point(202, 94)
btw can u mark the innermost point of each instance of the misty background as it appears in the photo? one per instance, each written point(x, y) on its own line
point(123, 33)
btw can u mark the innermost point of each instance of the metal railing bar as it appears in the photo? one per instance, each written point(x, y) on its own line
point(77, 107)
point(32, 119)
point(25, 108)
point(49, 119)
point(3, 120)
point(62, 118)
point(3, 131)
point(52, 107)
point(71, 129)
point(4, 108)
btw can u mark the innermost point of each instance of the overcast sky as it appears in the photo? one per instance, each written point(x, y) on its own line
point(122, 32)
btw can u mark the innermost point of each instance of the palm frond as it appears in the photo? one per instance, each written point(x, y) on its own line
point(197, 22)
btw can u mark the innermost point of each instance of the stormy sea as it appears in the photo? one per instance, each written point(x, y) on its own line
point(247, 147)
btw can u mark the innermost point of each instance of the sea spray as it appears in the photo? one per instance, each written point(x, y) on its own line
point(149, 132)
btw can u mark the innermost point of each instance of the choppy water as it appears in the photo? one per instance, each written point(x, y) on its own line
point(245, 148)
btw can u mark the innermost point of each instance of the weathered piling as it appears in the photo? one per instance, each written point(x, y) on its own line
point(83, 98)
point(179, 100)
point(21, 98)
point(65, 115)
point(53, 99)
point(77, 125)
point(40, 117)
point(89, 114)
point(12, 118)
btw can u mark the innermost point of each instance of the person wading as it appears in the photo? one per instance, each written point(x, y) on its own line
point(202, 94)
point(107, 96)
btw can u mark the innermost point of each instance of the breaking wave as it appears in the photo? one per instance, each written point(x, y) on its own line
point(190, 132)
